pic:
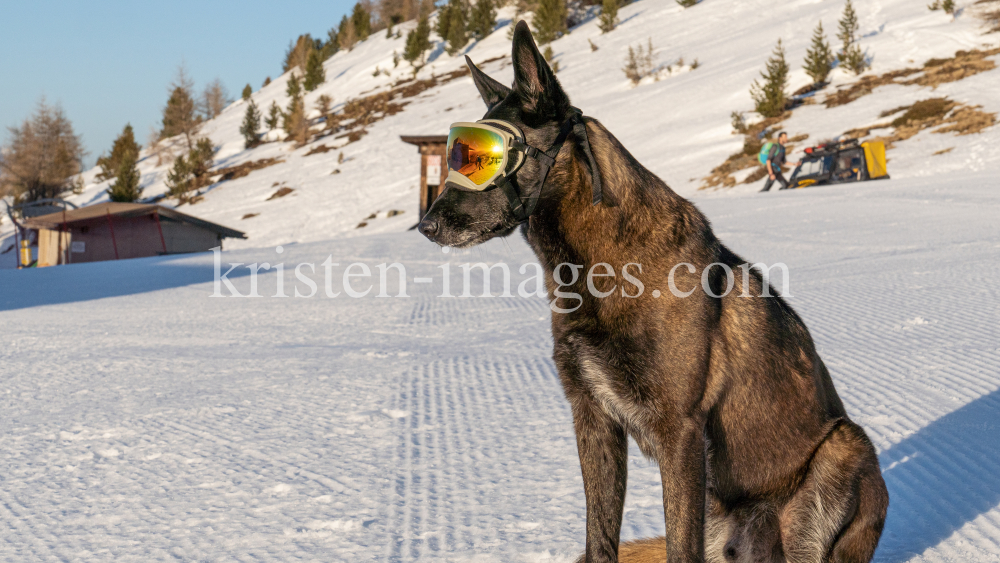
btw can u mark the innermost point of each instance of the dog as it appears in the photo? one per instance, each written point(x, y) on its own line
point(758, 458)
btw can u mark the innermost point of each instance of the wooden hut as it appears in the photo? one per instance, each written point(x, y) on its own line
point(433, 166)
point(112, 231)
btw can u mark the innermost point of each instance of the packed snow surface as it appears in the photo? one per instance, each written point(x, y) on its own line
point(144, 420)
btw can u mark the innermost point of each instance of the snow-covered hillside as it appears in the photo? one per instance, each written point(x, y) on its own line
point(678, 126)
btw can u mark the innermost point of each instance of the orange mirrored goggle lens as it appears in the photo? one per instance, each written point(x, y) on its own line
point(475, 153)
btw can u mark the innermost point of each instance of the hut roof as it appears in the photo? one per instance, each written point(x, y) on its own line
point(114, 209)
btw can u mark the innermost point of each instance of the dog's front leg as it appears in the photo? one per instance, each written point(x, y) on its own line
point(682, 472)
point(603, 447)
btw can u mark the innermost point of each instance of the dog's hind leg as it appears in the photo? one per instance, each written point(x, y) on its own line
point(838, 511)
point(858, 540)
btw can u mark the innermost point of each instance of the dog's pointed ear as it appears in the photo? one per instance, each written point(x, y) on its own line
point(492, 91)
point(534, 81)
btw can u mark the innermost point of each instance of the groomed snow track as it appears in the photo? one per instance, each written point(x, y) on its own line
point(145, 421)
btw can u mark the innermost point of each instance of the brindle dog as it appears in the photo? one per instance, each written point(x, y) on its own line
point(758, 459)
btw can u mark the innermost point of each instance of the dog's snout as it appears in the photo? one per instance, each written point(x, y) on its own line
point(429, 228)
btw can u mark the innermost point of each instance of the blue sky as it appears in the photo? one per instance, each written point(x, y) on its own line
point(109, 63)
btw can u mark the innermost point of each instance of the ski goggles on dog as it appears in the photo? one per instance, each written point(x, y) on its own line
point(480, 153)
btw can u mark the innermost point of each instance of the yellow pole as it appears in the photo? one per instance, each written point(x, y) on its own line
point(25, 254)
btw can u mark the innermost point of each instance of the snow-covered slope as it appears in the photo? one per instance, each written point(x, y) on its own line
point(678, 126)
point(144, 420)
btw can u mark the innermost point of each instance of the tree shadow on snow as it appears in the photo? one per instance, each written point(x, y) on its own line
point(939, 479)
point(20, 289)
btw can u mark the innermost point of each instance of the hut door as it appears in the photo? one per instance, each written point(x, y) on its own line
point(433, 178)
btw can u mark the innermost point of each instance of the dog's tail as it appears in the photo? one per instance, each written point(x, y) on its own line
point(649, 550)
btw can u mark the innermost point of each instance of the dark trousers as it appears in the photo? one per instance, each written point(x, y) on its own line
point(778, 177)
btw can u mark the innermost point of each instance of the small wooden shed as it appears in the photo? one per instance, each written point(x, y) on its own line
point(112, 231)
point(433, 166)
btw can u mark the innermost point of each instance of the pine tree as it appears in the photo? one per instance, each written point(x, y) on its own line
point(770, 98)
point(443, 21)
point(123, 145)
point(687, 3)
point(851, 56)
point(609, 16)
point(418, 41)
point(332, 44)
point(819, 57)
point(550, 20)
point(294, 87)
point(484, 19)
point(250, 129)
point(247, 92)
point(294, 120)
point(126, 187)
point(549, 56)
point(298, 53)
point(458, 35)
point(361, 21)
point(179, 116)
point(315, 75)
point(346, 35)
point(214, 99)
point(266, 81)
point(273, 116)
point(41, 156)
point(191, 172)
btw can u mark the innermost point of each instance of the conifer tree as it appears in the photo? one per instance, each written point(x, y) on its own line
point(191, 172)
point(458, 35)
point(298, 53)
point(41, 156)
point(126, 187)
point(609, 16)
point(179, 116)
point(484, 19)
point(250, 129)
point(273, 116)
point(550, 20)
point(418, 41)
point(851, 56)
point(361, 21)
point(123, 145)
point(332, 44)
point(443, 21)
point(346, 35)
point(294, 120)
point(315, 75)
point(549, 56)
point(770, 98)
point(266, 81)
point(819, 57)
point(687, 3)
point(247, 92)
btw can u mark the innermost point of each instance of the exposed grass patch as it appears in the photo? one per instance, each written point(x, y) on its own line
point(241, 170)
point(940, 114)
point(989, 12)
point(934, 73)
point(944, 151)
point(249, 215)
point(357, 114)
point(319, 150)
point(282, 192)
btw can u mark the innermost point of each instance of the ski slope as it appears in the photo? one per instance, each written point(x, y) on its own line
point(145, 420)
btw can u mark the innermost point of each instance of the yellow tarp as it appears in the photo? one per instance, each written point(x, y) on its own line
point(875, 157)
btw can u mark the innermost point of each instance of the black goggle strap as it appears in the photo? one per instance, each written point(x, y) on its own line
point(523, 210)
